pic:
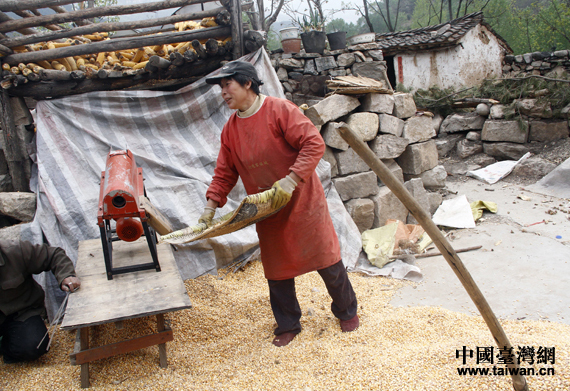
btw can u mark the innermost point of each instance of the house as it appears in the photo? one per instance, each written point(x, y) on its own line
point(460, 53)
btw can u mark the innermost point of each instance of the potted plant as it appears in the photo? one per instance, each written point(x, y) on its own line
point(290, 40)
point(313, 36)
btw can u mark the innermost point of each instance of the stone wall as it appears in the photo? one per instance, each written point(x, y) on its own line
point(303, 75)
point(537, 63)
point(400, 136)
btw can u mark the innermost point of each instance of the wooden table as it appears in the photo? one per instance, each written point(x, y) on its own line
point(126, 296)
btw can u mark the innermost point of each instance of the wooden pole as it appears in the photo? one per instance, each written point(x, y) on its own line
point(20, 5)
point(106, 27)
point(12, 145)
point(386, 176)
point(237, 30)
point(117, 44)
point(87, 13)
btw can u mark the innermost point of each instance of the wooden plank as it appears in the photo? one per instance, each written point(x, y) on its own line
point(155, 219)
point(106, 27)
point(95, 12)
point(118, 44)
point(126, 296)
point(106, 351)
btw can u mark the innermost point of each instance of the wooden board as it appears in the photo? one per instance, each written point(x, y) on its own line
point(126, 296)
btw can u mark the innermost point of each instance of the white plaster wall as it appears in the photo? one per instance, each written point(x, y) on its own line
point(478, 57)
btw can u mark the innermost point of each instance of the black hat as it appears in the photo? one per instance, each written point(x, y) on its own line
point(234, 68)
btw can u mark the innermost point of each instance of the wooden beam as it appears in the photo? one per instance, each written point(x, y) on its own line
point(106, 351)
point(118, 44)
point(19, 5)
point(25, 31)
point(5, 50)
point(180, 76)
point(237, 29)
point(12, 145)
point(61, 10)
point(28, 14)
point(106, 27)
point(93, 13)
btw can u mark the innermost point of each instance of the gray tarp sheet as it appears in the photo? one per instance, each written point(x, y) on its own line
point(175, 138)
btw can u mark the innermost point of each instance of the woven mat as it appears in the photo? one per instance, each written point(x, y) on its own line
point(252, 209)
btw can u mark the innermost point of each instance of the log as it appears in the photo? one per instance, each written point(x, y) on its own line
point(223, 18)
point(105, 27)
point(159, 62)
point(92, 13)
point(177, 59)
point(237, 29)
point(28, 14)
point(13, 145)
point(390, 180)
point(117, 44)
point(212, 47)
point(5, 50)
point(190, 56)
point(77, 75)
point(19, 5)
point(61, 10)
point(144, 81)
point(52, 74)
point(200, 51)
point(25, 31)
point(33, 77)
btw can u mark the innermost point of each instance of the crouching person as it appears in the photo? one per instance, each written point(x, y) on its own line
point(22, 307)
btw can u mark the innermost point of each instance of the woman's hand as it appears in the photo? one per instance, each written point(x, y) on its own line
point(283, 192)
point(207, 216)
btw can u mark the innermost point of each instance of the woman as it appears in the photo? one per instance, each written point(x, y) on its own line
point(269, 143)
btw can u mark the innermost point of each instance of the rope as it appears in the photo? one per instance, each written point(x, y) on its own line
point(53, 325)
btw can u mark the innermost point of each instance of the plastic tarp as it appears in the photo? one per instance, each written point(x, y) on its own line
point(175, 138)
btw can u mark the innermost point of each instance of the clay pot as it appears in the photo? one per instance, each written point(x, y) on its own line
point(291, 45)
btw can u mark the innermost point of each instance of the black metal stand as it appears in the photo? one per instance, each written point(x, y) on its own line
point(107, 239)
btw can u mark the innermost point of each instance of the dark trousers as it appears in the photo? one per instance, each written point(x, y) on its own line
point(20, 339)
point(286, 308)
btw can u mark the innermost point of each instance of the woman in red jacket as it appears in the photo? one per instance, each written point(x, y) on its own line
point(269, 143)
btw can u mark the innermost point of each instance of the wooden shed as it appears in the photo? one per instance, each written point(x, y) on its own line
point(63, 52)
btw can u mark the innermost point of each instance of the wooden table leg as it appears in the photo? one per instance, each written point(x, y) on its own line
point(84, 344)
point(162, 346)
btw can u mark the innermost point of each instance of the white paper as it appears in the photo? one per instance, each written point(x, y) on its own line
point(454, 213)
point(496, 171)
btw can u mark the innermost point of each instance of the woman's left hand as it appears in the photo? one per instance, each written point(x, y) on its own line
point(283, 192)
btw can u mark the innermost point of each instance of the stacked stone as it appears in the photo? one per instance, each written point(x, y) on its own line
point(304, 74)
point(399, 136)
point(537, 63)
point(487, 131)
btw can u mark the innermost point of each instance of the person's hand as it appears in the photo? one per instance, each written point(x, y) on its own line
point(283, 192)
point(207, 215)
point(70, 284)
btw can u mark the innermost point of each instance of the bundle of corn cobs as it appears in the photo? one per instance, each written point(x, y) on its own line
point(126, 61)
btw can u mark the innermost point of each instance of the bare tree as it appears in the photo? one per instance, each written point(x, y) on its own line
point(257, 17)
point(387, 13)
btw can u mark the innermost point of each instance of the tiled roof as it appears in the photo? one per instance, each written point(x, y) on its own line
point(431, 37)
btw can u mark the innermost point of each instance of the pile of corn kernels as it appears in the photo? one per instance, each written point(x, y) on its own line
point(224, 343)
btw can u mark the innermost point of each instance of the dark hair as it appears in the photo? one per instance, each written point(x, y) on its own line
point(243, 79)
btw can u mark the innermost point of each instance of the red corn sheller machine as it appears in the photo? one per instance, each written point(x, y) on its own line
point(119, 197)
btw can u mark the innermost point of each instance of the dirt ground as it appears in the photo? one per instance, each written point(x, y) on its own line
point(224, 341)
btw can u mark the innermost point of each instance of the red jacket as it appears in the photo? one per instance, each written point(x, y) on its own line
point(262, 149)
